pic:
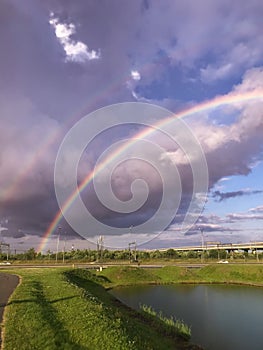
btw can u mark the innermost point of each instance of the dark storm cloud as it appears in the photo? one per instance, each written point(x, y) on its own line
point(14, 234)
point(43, 94)
point(221, 196)
point(33, 66)
point(207, 228)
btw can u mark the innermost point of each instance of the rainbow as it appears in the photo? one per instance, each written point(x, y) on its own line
point(230, 99)
point(10, 191)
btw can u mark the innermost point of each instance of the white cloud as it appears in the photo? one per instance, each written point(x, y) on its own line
point(211, 72)
point(252, 81)
point(241, 55)
point(224, 179)
point(132, 83)
point(244, 216)
point(135, 75)
point(76, 51)
point(258, 209)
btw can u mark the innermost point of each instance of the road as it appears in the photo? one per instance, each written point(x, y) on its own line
point(105, 265)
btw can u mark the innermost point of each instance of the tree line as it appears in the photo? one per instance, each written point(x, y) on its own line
point(88, 255)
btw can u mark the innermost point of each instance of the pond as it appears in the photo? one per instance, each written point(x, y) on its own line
point(221, 316)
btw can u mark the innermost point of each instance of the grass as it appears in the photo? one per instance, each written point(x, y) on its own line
point(61, 308)
point(70, 309)
point(126, 275)
point(216, 273)
point(169, 325)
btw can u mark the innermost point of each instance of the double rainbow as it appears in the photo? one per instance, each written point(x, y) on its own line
point(230, 99)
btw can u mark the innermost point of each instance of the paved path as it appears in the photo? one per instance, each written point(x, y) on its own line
point(7, 285)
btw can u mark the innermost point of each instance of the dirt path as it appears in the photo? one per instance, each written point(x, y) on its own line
point(8, 284)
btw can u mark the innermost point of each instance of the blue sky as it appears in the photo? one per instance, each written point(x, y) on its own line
point(61, 60)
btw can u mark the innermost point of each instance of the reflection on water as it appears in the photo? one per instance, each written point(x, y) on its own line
point(221, 316)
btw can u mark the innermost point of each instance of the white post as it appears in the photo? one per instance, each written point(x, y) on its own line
point(58, 243)
point(202, 240)
point(0, 232)
point(64, 248)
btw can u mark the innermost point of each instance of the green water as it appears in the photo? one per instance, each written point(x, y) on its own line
point(222, 317)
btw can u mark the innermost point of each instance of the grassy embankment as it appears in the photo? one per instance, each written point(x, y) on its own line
point(70, 309)
point(224, 273)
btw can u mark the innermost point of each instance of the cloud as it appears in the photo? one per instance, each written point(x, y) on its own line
point(233, 148)
point(241, 55)
point(212, 73)
point(244, 216)
point(135, 75)
point(221, 196)
point(241, 48)
point(206, 223)
point(224, 179)
point(27, 155)
point(242, 138)
point(76, 51)
point(16, 234)
point(147, 44)
point(207, 228)
point(258, 209)
point(156, 38)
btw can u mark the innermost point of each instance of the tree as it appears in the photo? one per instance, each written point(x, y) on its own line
point(30, 254)
point(213, 254)
point(192, 254)
point(156, 254)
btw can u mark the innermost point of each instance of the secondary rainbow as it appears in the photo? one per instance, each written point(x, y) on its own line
point(214, 103)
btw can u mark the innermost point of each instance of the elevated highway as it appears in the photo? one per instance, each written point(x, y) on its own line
point(220, 246)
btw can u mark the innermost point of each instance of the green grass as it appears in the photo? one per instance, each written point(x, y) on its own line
point(126, 275)
point(216, 273)
point(70, 309)
point(169, 325)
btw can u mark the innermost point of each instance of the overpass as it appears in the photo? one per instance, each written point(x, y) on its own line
point(220, 246)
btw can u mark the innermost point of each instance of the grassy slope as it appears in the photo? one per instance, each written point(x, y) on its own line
point(247, 274)
point(244, 274)
point(125, 275)
point(59, 309)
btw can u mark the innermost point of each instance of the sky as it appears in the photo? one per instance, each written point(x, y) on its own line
point(189, 72)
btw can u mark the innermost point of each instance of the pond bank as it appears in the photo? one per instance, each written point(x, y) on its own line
point(211, 274)
point(69, 309)
point(8, 283)
point(211, 310)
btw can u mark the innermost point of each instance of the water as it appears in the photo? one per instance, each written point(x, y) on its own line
point(221, 317)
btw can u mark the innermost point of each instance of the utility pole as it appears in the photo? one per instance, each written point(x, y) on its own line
point(134, 251)
point(100, 243)
point(202, 240)
point(1, 238)
point(58, 238)
point(64, 247)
